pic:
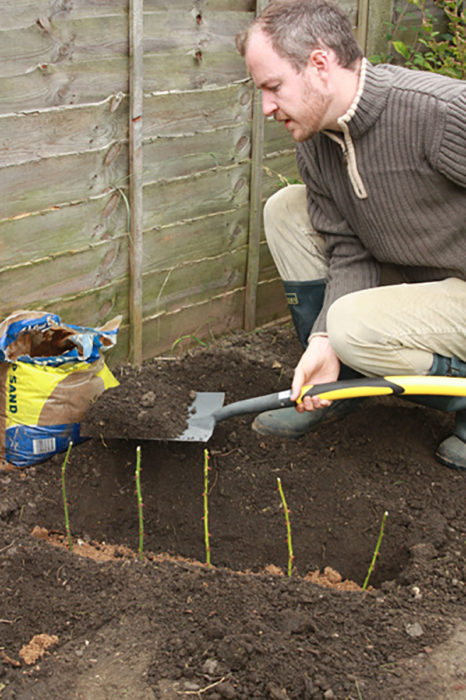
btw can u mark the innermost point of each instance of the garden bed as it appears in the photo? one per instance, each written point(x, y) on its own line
point(169, 626)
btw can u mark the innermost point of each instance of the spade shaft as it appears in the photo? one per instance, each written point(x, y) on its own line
point(207, 409)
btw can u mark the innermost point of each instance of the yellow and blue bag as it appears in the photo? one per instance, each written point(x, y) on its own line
point(50, 372)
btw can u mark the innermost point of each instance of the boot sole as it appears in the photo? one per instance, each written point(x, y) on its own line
point(449, 464)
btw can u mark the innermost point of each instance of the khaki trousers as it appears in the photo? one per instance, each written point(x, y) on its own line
point(391, 329)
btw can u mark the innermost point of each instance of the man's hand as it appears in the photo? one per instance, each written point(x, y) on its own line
point(318, 364)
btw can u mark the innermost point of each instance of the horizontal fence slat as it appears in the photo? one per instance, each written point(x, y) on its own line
point(62, 41)
point(193, 111)
point(34, 237)
point(65, 275)
point(49, 182)
point(276, 165)
point(205, 320)
point(57, 230)
point(21, 14)
point(268, 271)
point(208, 320)
point(56, 132)
point(53, 86)
point(205, 237)
point(178, 157)
point(94, 81)
point(220, 189)
point(190, 283)
point(276, 137)
point(89, 308)
point(200, 5)
point(271, 302)
point(184, 72)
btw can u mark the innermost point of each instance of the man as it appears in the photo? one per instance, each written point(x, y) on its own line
point(371, 249)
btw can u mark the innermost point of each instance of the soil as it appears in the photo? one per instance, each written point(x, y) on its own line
point(116, 619)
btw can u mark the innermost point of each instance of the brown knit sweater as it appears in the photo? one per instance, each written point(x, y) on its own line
point(390, 188)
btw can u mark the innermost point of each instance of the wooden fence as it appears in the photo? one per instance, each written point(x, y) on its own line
point(134, 162)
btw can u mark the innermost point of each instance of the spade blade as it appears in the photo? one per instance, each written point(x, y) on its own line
point(201, 418)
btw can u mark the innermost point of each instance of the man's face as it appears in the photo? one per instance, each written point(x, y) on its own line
point(296, 99)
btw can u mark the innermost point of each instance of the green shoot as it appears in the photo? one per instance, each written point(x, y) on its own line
point(288, 527)
point(140, 503)
point(376, 551)
point(206, 507)
point(65, 502)
point(189, 336)
point(283, 180)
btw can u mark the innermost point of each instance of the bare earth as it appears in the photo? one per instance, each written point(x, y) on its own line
point(98, 623)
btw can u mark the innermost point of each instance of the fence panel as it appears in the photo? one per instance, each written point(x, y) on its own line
point(65, 167)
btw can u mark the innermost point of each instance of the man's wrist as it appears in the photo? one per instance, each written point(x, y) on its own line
point(317, 335)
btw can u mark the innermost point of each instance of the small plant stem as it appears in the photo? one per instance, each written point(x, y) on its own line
point(140, 503)
point(376, 551)
point(65, 502)
point(288, 527)
point(206, 507)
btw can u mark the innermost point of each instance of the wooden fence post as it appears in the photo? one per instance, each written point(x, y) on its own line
point(255, 203)
point(379, 16)
point(363, 21)
point(136, 57)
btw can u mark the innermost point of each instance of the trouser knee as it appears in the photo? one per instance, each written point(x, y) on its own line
point(280, 211)
point(369, 339)
point(344, 330)
point(297, 249)
point(358, 341)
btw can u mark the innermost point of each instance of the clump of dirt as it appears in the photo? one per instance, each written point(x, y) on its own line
point(168, 626)
point(34, 650)
point(142, 406)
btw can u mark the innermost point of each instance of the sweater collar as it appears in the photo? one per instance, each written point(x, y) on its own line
point(364, 111)
point(369, 101)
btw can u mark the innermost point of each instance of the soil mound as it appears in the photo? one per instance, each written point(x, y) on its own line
point(113, 625)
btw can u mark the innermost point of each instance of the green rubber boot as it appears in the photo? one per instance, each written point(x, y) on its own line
point(305, 302)
point(452, 451)
point(289, 424)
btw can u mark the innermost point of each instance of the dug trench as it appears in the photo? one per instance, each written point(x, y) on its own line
point(167, 625)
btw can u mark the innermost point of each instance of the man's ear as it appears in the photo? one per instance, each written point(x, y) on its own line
point(319, 61)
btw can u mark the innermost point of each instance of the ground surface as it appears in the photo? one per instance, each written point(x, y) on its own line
point(169, 627)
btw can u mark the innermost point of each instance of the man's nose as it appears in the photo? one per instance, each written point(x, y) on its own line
point(268, 105)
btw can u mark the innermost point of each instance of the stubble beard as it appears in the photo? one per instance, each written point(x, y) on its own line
point(317, 103)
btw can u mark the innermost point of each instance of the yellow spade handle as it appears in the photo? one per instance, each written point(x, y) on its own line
point(381, 386)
